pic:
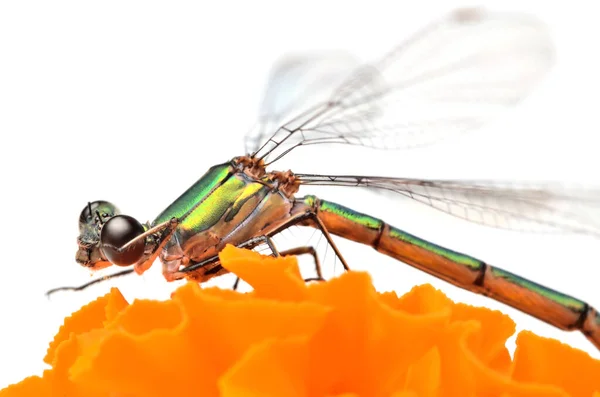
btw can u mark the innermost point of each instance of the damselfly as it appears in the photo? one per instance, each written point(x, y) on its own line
point(451, 77)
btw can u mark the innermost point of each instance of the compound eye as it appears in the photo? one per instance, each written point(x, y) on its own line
point(118, 231)
point(90, 212)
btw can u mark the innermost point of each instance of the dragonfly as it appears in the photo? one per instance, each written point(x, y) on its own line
point(453, 76)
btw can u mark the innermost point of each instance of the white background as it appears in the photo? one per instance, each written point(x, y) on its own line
point(132, 101)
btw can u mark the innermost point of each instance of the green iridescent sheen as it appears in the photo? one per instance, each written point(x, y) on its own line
point(252, 190)
point(107, 208)
point(88, 232)
point(196, 194)
point(347, 213)
point(454, 256)
point(555, 296)
point(212, 208)
point(309, 200)
point(374, 223)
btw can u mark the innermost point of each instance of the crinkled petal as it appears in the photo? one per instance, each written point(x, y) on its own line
point(286, 338)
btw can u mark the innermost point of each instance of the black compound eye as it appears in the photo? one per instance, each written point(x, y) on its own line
point(117, 232)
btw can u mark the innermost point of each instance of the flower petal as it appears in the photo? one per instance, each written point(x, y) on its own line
point(335, 338)
point(555, 363)
point(91, 316)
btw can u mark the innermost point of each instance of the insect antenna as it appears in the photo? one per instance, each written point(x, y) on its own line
point(99, 218)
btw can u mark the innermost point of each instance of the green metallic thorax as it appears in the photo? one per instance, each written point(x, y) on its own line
point(225, 206)
point(196, 194)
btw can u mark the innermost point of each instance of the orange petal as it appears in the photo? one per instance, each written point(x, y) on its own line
point(487, 381)
point(229, 327)
point(276, 278)
point(31, 386)
point(424, 375)
point(91, 316)
point(138, 353)
point(336, 338)
point(405, 394)
point(549, 361)
point(423, 299)
point(271, 368)
point(58, 377)
point(364, 340)
point(489, 342)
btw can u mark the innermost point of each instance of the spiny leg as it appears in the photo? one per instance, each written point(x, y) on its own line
point(330, 241)
point(171, 224)
point(236, 283)
point(264, 239)
point(302, 250)
point(309, 250)
point(252, 242)
point(145, 264)
point(214, 260)
point(90, 283)
point(269, 241)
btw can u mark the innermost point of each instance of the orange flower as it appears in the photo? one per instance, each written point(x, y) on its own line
point(286, 338)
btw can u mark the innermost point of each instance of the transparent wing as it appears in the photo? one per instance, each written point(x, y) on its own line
point(295, 81)
point(531, 207)
point(451, 77)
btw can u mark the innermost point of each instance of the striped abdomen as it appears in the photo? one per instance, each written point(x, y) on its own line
point(553, 307)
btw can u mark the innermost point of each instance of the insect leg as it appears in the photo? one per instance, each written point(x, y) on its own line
point(304, 249)
point(90, 283)
point(171, 225)
point(309, 250)
point(144, 264)
point(214, 268)
point(305, 219)
point(214, 260)
point(236, 284)
point(267, 240)
point(321, 226)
